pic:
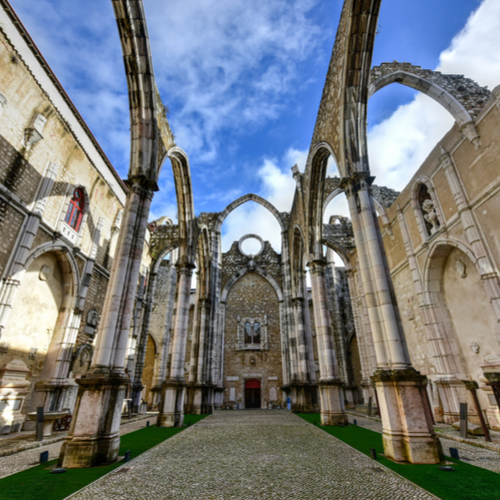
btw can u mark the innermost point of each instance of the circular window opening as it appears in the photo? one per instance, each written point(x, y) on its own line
point(251, 245)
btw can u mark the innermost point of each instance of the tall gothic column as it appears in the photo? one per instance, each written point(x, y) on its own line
point(173, 389)
point(137, 386)
point(94, 434)
point(330, 386)
point(203, 400)
point(408, 434)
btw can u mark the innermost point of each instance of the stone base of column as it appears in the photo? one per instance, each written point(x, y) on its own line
point(136, 397)
point(172, 404)
point(450, 391)
point(94, 436)
point(218, 397)
point(408, 434)
point(332, 403)
point(304, 398)
point(207, 405)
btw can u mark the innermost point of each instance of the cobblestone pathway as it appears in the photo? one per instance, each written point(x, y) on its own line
point(29, 458)
point(254, 455)
point(470, 454)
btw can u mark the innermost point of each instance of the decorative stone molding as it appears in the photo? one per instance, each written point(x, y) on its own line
point(34, 132)
point(469, 131)
point(251, 236)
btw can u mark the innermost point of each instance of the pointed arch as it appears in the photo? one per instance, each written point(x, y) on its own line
point(185, 204)
point(170, 248)
point(431, 89)
point(316, 194)
point(250, 197)
point(270, 279)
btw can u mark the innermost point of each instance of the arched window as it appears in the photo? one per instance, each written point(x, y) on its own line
point(248, 333)
point(75, 210)
point(252, 333)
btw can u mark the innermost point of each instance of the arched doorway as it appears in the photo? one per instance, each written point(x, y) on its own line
point(252, 394)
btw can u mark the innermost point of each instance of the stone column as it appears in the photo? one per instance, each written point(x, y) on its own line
point(286, 312)
point(94, 434)
point(137, 386)
point(408, 434)
point(160, 370)
point(330, 386)
point(214, 367)
point(10, 284)
point(173, 389)
point(203, 393)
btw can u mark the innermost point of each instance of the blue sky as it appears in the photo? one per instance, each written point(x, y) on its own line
point(242, 81)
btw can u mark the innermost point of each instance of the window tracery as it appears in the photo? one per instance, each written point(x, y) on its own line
point(252, 334)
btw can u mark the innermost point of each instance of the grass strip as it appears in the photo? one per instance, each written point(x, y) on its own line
point(38, 484)
point(467, 482)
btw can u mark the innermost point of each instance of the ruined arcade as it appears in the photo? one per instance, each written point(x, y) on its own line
point(110, 315)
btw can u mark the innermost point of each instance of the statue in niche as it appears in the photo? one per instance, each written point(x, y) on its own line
point(430, 215)
point(461, 269)
point(428, 209)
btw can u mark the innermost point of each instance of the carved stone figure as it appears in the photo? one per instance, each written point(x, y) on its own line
point(430, 215)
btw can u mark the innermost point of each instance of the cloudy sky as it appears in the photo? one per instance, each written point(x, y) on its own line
point(243, 79)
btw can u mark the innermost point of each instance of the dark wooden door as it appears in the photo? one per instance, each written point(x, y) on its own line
point(252, 398)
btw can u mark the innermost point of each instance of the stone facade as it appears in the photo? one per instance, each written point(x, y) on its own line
point(54, 275)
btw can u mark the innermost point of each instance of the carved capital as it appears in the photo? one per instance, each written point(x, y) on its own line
point(359, 181)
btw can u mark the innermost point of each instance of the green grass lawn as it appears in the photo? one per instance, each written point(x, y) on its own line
point(38, 484)
point(467, 482)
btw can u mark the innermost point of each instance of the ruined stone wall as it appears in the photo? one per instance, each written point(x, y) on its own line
point(456, 263)
point(46, 151)
point(252, 297)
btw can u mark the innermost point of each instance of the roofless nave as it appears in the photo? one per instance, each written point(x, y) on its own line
point(96, 304)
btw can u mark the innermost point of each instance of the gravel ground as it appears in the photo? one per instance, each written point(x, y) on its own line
point(257, 455)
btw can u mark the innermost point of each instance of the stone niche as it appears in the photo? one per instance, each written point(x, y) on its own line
point(14, 386)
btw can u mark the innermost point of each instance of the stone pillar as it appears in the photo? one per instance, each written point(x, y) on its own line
point(408, 434)
point(203, 389)
point(330, 386)
point(173, 389)
point(286, 312)
point(160, 370)
point(94, 434)
point(137, 386)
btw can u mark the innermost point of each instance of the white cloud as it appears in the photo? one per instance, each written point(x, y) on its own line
point(228, 65)
point(400, 144)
